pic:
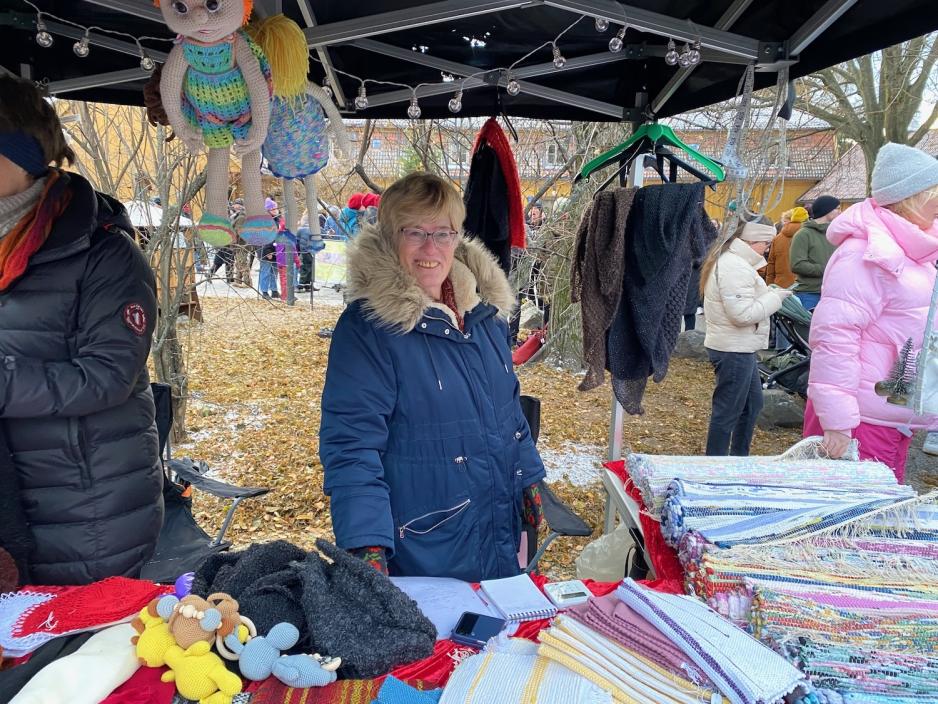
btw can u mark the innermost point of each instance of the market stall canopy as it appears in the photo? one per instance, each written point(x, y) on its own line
point(146, 214)
point(420, 46)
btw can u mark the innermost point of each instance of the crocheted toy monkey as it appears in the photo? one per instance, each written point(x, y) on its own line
point(216, 91)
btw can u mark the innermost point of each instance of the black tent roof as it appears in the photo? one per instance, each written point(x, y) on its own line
point(407, 42)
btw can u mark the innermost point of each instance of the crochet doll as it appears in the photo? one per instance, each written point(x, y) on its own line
point(297, 144)
point(216, 91)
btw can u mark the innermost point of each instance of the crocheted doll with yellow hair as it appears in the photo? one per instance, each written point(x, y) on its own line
point(216, 91)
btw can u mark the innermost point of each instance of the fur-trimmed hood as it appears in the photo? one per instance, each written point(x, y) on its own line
point(393, 298)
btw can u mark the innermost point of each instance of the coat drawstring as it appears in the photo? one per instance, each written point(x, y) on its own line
point(494, 344)
point(439, 379)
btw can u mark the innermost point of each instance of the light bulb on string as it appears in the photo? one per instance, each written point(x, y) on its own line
point(616, 43)
point(361, 100)
point(455, 103)
point(43, 38)
point(559, 60)
point(327, 89)
point(602, 24)
point(671, 57)
point(413, 110)
point(82, 47)
point(684, 59)
point(146, 63)
point(694, 53)
point(512, 87)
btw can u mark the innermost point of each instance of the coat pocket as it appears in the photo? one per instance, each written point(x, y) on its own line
point(76, 448)
point(441, 542)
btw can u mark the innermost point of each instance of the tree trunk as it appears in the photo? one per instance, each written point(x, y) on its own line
point(170, 365)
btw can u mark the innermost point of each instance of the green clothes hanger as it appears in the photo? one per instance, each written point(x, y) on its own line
point(654, 133)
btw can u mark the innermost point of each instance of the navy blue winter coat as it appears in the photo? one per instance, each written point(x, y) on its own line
point(424, 444)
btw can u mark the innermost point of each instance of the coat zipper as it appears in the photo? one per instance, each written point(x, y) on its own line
point(453, 511)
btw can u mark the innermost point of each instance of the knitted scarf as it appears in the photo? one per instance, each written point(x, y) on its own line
point(31, 232)
point(448, 299)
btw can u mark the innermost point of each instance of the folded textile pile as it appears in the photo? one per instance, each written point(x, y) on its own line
point(653, 474)
point(851, 640)
point(341, 606)
point(621, 671)
point(35, 615)
point(510, 671)
point(733, 514)
point(742, 668)
point(612, 618)
point(856, 608)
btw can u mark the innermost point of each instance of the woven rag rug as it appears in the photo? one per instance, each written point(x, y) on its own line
point(733, 514)
point(856, 607)
point(653, 474)
point(853, 641)
point(744, 670)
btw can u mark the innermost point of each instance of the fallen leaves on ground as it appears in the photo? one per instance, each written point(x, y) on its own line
point(256, 371)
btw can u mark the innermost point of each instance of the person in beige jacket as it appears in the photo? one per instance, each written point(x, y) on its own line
point(737, 307)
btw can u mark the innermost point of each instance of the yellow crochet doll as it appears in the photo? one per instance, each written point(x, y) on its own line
point(216, 91)
point(200, 674)
point(154, 639)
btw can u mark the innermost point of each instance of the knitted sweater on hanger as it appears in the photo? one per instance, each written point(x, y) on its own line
point(668, 231)
point(596, 274)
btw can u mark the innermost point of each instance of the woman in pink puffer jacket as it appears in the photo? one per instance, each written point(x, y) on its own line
point(875, 295)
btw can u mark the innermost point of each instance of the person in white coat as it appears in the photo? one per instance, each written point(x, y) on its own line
point(737, 307)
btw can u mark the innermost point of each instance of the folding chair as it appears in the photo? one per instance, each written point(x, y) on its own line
point(560, 519)
point(182, 544)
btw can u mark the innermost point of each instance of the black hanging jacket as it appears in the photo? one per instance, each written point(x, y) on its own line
point(75, 400)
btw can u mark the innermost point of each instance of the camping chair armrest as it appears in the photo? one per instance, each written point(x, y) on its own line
point(560, 518)
point(187, 472)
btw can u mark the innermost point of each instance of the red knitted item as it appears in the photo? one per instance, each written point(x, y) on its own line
point(448, 299)
point(492, 133)
point(79, 608)
point(31, 232)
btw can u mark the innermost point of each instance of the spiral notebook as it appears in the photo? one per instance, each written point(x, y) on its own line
point(517, 599)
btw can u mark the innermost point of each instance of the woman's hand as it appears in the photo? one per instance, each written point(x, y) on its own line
point(836, 443)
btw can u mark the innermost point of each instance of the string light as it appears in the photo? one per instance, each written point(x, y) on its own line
point(43, 38)
point(671, 57)
point(602, 24)
point(616, 43)
point(455, 103)
point(146, 63)
point(361, 100)
point(327, 89)
point(513, 87)
point(81, 47)
point(559, 60)
point(413, 110)
point(695, 56)
point(684, 59)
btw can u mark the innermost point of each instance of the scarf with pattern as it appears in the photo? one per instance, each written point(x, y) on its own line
point(32, 230)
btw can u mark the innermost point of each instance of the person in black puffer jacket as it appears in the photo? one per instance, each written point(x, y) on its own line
point(77, 313)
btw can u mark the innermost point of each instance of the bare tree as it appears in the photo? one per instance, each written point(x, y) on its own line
point(122, 155)
point(875, 98)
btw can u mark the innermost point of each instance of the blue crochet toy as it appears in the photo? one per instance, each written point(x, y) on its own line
point(260, 658)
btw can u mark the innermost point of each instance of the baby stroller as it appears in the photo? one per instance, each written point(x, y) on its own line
point(788, 368)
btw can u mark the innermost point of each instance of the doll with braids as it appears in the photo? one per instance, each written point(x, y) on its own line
point(216, 90)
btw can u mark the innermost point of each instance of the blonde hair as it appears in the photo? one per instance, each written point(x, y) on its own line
point(416, 196)
point(911, 208)
point(716, 250)
point(786, 216)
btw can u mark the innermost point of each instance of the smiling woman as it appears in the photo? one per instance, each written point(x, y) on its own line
point(426, 451)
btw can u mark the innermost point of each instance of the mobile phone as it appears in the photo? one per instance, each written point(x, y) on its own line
point(475, 630)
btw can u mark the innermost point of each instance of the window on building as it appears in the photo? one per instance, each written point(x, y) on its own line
point(552, 155)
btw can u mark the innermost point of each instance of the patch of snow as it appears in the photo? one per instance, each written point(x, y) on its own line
point(580, 464)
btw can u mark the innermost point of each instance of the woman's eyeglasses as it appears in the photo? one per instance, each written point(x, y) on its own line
point(414, 236)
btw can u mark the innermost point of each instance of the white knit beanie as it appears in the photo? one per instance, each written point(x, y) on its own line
point(757, 232)
point(902, 171)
